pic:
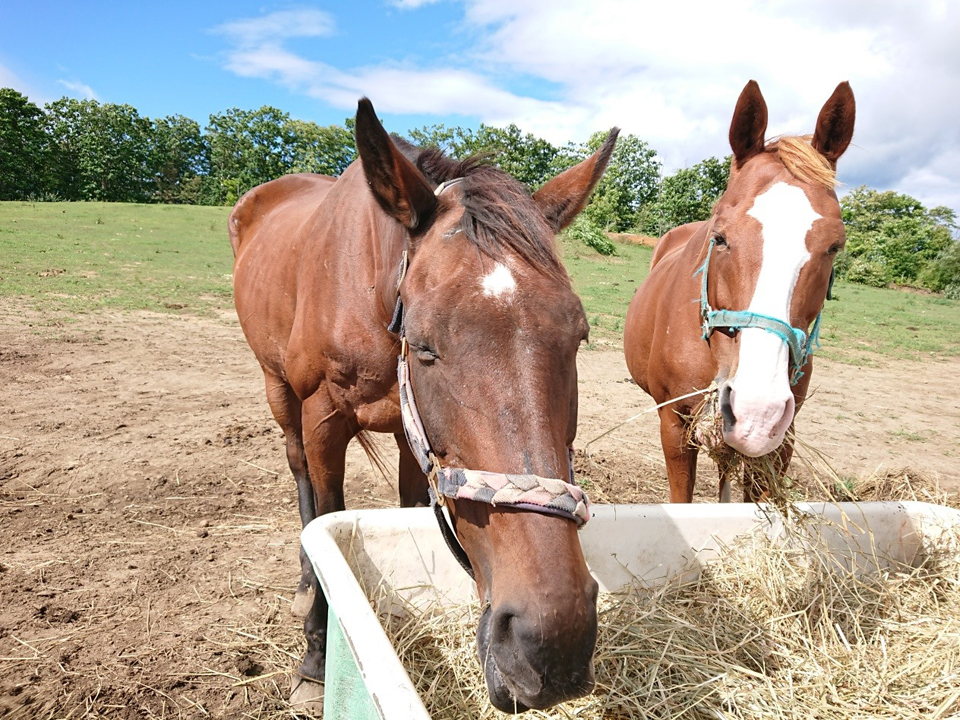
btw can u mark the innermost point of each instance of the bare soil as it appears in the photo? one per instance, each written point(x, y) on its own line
point(150, 531)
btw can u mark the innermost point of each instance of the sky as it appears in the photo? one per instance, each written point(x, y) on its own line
point(667, 72)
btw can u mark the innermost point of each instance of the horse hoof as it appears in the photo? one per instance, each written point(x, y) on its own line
point(306, 695)
point(302, 602)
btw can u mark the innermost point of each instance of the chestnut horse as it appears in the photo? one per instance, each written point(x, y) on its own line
point(736, 300)
point(492, 328)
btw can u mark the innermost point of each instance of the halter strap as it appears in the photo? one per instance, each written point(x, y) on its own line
point(445, 184)
point(530, 492)
point(801, 345)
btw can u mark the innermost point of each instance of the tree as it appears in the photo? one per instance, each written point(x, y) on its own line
point(23, 147)
point(893, 238)
point(453, 142)
point(326, 150)
point(247, 148)
point(179, 158)
point(523, 155)
point(631, 180)
point(686, 196)
point(99, 151)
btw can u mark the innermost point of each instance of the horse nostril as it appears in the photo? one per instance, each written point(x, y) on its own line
point(502, 626)
point(726, 407)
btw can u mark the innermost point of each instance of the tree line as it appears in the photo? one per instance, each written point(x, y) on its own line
point(86, 150)
point(77, 150)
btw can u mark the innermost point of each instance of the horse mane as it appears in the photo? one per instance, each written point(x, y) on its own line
point(803, 161)
point(499, 211)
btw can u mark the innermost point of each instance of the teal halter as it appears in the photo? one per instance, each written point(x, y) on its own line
point(801, 346)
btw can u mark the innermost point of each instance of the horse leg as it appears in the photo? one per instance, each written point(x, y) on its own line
point(680, 456)
point(326, 436)
point(287, 409)
point(724, 491)
point(413, 483)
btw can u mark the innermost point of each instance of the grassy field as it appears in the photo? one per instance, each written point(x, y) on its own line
point(73, 258)
point(860, 326)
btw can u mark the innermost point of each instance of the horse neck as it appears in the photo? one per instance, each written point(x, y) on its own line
point(367, 234)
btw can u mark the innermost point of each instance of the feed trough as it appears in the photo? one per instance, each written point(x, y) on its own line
point(376, 563)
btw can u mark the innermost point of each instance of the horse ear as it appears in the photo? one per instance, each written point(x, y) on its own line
point(749, 124)
point(563, 197)
point(400, 188)
point(835, 124)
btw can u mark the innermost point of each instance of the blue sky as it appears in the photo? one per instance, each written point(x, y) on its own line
point(668, 72)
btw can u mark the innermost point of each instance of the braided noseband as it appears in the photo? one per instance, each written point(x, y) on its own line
point(528, 492)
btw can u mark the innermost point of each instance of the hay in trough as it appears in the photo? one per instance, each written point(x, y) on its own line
point(769, 630)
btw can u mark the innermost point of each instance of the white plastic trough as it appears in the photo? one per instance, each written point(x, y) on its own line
point(401, 551)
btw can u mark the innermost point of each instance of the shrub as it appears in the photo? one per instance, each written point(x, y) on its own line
point(944, 270)
point(585, 230)
point(867, 272)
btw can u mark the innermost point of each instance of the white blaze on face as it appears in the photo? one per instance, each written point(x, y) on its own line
point(499, 282)
point(761, 398)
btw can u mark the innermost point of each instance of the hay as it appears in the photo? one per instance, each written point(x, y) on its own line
point(769, 630)
point(705, 431)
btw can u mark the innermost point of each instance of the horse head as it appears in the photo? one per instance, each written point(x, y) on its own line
point(768, 258)
point(491, 328)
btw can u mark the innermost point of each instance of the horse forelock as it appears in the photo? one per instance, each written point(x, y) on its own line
point(803, 161)
point(498, 212)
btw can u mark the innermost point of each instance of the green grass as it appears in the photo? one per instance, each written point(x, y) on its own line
point(72, 258)
point(866, 322)
point(860, 327)
point(80, 257)
point(606, 284)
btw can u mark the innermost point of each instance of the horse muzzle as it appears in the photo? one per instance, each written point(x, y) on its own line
point(755, 425)
point(522, 672)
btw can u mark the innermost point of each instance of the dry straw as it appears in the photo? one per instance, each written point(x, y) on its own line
point(770, 630)
point(705, 431)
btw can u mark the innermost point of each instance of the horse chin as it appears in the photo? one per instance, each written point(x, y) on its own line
point(510, 700)
point(754, 444)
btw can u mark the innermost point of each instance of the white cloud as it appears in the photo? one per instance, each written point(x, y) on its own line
point(9, 79)
point(411, 4)
point(670, 73)
point(278, 26)
point(78, 88)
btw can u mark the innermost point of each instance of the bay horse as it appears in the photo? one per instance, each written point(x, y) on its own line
point(453, 267)
point(735, 300)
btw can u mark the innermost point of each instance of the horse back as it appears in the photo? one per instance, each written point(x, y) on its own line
point(262, 201)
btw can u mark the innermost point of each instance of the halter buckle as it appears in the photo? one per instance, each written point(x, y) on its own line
point(432, 480)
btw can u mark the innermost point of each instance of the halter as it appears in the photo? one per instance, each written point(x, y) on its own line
point(801, 346)
point(550, 496)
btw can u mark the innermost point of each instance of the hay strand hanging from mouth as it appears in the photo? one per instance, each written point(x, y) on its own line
point(705, 432)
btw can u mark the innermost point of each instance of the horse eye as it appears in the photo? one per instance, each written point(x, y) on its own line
point(719, 240)
point(425, 354)
point(834, 249)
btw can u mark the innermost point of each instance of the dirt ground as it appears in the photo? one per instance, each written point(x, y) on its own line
point(150, 530)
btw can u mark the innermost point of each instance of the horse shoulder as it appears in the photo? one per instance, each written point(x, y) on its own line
point(662, 325)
